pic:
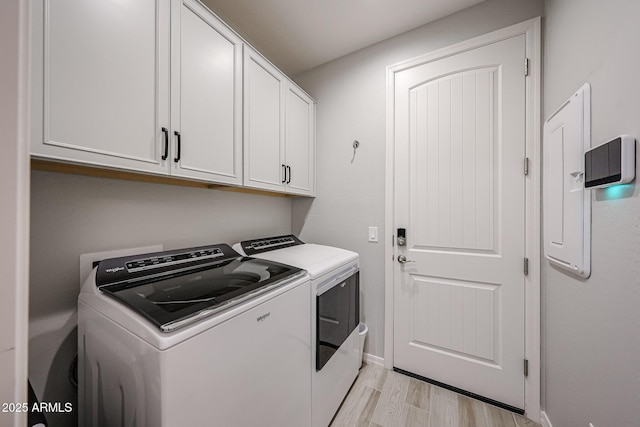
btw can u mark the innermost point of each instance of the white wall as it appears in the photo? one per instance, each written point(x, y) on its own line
point(351, 99)
point(591, 354)
point(14, 211)
point(72, 215)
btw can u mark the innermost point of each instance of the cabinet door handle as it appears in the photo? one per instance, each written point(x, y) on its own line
point(289, 180)
point(284, 173)
point(178, 144)
point(166, 143)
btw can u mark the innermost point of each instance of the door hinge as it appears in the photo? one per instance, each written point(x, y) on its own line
point(526, 367)
point(526, 166)
point(526, 66)
point(526, 266)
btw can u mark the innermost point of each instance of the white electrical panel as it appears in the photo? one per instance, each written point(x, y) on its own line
point(566, 203)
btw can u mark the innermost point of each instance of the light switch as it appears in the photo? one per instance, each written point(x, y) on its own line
point(373, 234)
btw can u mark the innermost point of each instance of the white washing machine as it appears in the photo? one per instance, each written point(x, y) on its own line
point(194, 337)
point(335, 315)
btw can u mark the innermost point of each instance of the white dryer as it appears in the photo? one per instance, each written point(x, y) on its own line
point(194, 337)
point(335, 315)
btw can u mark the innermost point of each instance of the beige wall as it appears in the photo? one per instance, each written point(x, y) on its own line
point(592, 327)
point(351, 95)
point(72, 215)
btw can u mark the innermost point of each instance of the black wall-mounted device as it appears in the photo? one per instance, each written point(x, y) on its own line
point(613, 162)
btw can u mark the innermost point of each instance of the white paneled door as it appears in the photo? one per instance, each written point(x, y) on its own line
point(460, 194)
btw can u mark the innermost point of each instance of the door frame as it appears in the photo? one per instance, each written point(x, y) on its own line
point(532, 31)
point(15, 124)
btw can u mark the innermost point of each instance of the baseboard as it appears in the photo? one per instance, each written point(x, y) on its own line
point(544, 420)
point(374, 360)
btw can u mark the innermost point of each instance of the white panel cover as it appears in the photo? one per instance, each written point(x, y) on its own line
point(567, 206)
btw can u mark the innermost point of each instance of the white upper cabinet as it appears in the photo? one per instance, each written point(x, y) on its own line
point(163, 87)
point(279, 130)
point(263, 123)
point(300, 144)
point(206, 96)
point(101, 82)
point(102, 74)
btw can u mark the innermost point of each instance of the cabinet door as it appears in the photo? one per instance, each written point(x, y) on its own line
point(300, 141)
point(206, 96)
point(263, 123)
point(101, 82)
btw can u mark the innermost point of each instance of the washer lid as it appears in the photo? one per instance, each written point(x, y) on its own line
point(316, 259)
point(176, 289)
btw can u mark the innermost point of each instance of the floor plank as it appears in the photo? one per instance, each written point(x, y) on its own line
point(444, 393)
point(524, 422)
point(392, 398)
point(414, 417)
point(419, 394)
point(444, 412)
point(472, 412)
point(497, 417)
point(381, 398)
point(372, 376)
point(357, 408)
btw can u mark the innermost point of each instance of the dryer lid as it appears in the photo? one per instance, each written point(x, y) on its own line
point(318, 260)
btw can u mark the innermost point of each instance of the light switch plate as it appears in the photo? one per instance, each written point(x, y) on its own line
point(373, 234)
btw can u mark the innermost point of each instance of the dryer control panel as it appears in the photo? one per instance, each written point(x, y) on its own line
point(258, 246)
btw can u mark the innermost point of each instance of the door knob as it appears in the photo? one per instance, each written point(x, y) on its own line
point(403, 259)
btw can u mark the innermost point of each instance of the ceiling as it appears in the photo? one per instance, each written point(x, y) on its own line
point(298, 35)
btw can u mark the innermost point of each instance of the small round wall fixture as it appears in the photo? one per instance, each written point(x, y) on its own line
point(356, 144)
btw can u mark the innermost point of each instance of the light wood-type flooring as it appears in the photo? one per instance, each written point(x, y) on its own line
point(386, 398)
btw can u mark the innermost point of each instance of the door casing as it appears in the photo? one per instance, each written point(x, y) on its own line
point(532, 30)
